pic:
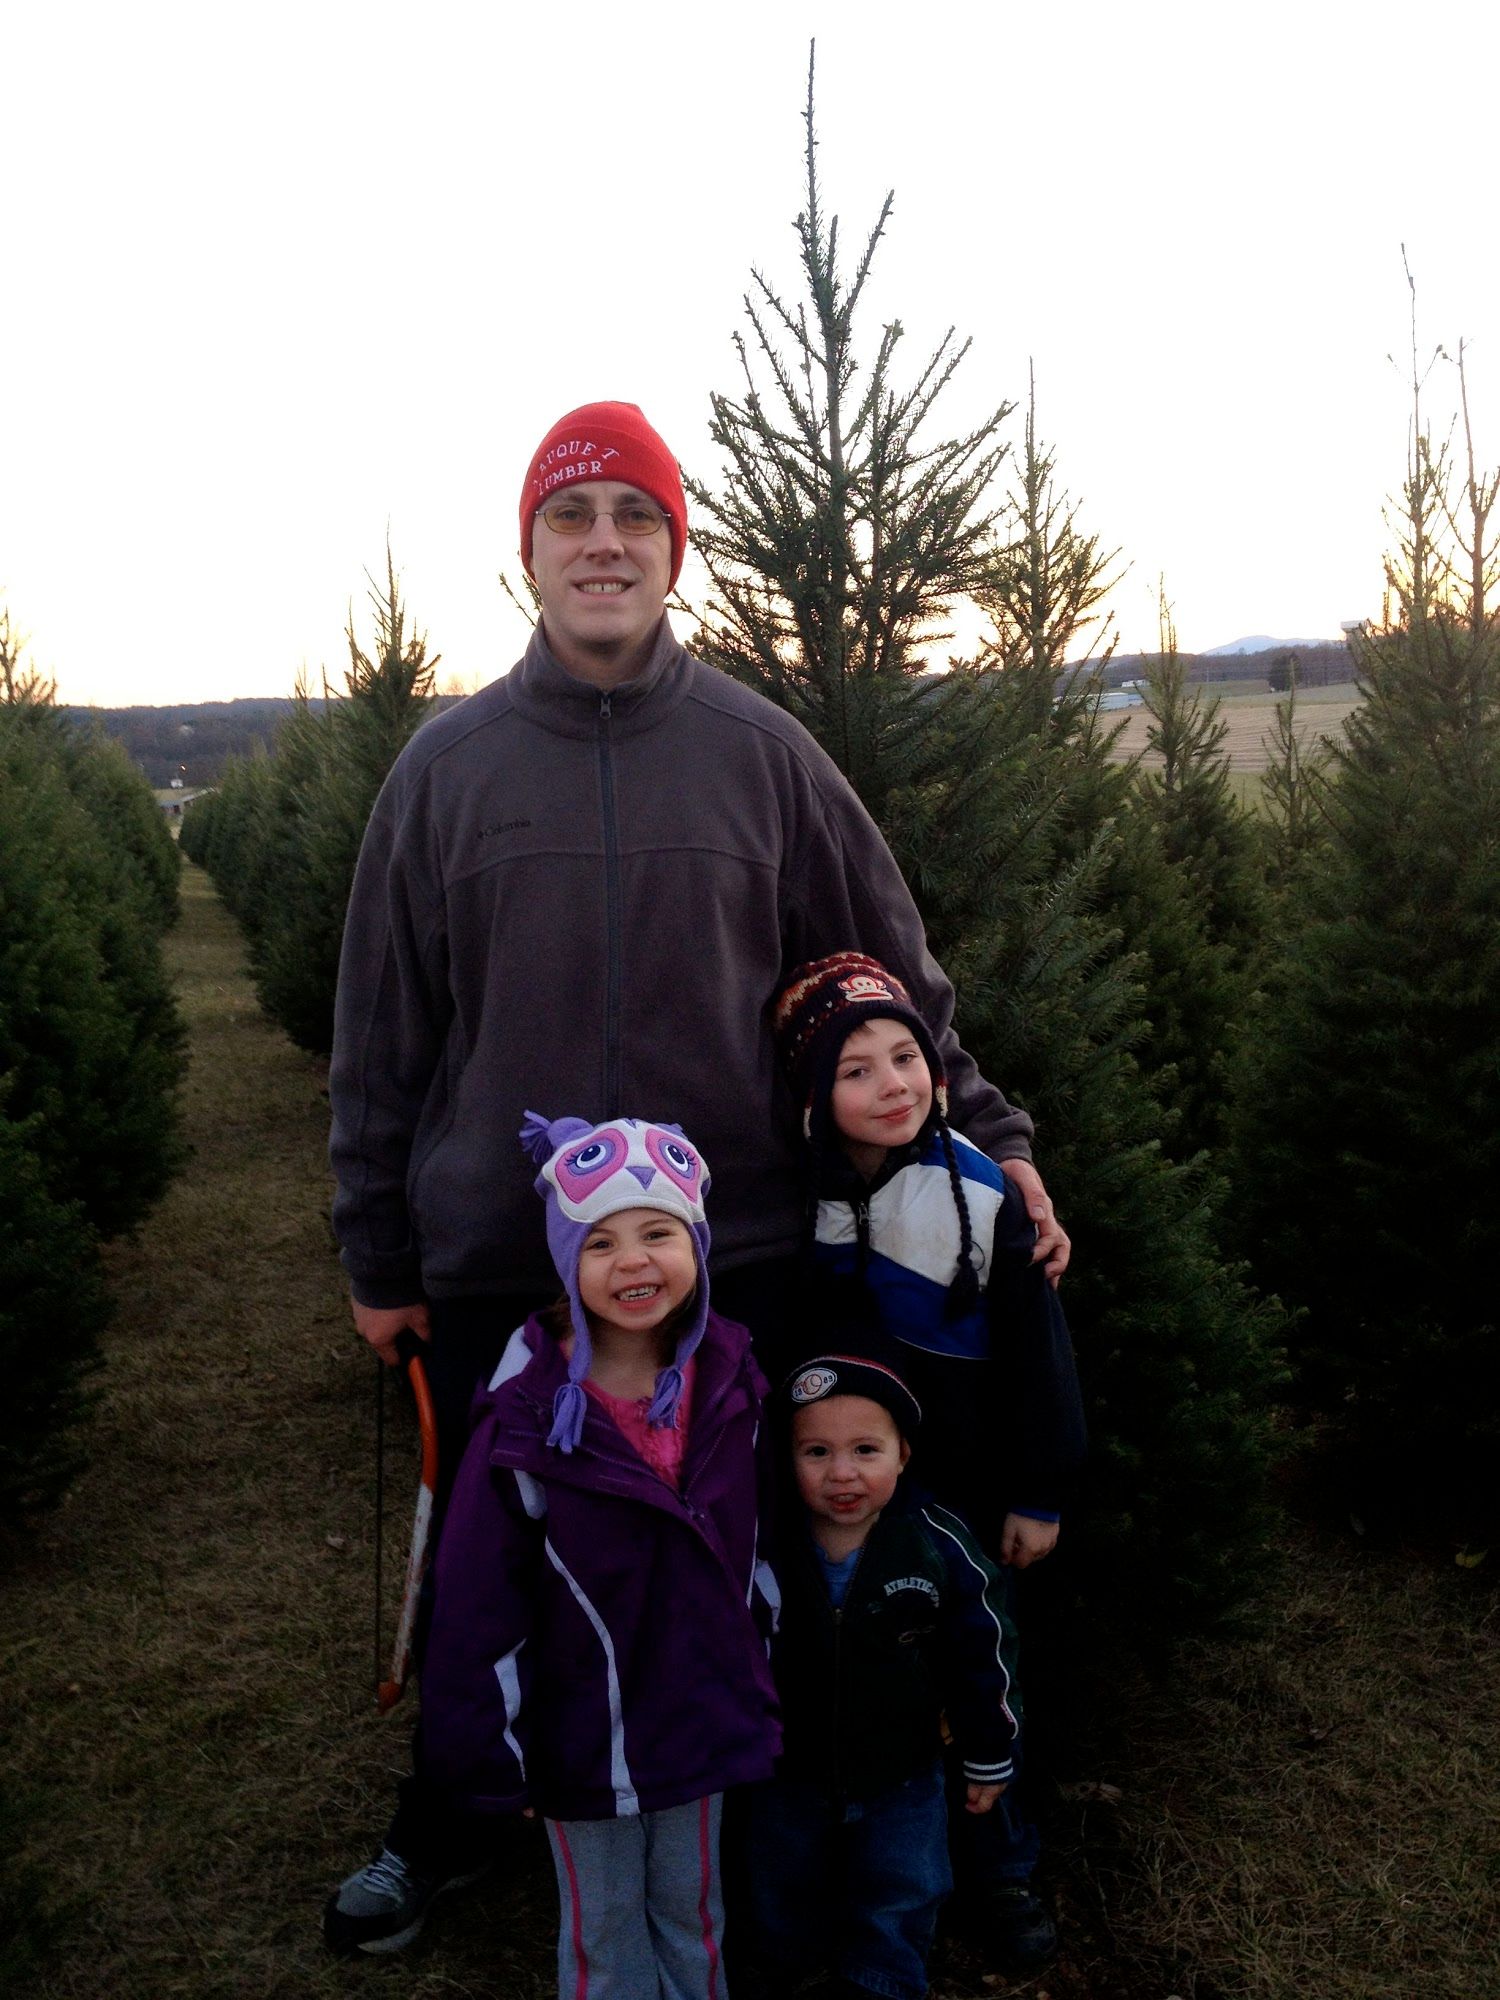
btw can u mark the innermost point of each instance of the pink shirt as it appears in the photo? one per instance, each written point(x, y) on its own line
point(662, 1448)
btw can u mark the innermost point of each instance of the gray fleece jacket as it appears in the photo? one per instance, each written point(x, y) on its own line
point(583, 904)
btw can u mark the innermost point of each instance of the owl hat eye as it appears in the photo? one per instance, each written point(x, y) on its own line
point(677, 1159)
point(581, 1170)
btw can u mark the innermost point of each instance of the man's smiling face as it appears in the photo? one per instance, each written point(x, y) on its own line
point(602, 592)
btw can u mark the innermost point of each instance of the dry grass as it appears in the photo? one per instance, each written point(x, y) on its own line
point(1251, 717)
point(192, 1760)
point(1313, 1809)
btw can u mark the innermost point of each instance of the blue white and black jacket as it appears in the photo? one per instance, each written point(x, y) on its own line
point(1002, 1416)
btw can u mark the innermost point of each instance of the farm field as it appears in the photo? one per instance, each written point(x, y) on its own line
point(191, 1757)
point(1251, 716)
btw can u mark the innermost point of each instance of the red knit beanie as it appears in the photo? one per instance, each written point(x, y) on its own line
point(605, 441)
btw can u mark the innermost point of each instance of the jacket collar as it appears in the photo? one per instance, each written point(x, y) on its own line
point(604, 1459)
point(840, 1181)
point(546, 693)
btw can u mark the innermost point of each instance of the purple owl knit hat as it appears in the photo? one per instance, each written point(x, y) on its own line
point(589, 1172)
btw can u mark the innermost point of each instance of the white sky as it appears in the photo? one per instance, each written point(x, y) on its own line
point(277, 276)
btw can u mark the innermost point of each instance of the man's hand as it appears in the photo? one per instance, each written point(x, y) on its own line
point(979, 1798)
point(383, 1326)
point(1024, 1541)
point(1052, 1245)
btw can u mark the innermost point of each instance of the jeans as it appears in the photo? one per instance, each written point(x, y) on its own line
point(859, 1881)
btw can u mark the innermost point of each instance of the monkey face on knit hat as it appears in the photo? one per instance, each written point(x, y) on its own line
point(818, 1009)
point(605, 441)
point(588, 1173)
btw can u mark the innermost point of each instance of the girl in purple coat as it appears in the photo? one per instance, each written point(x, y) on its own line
point(595, 1654)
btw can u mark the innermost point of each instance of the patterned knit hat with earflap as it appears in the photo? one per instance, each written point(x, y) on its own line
point(589, 1172)
point(815, 1013)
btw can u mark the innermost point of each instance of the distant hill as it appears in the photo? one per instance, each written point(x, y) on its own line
point(1261, 644)
point(190, 740)
point(194, 740)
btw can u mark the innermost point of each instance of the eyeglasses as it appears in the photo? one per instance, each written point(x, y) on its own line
point(631, 517)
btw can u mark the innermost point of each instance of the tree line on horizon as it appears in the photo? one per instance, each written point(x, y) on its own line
point(1243, 1035)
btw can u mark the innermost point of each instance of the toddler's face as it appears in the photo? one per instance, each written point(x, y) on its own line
point(636, 1268)
point(847, 1454)
point(882, 1089)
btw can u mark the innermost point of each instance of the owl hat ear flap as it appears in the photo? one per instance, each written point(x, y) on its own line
point(590, 1172)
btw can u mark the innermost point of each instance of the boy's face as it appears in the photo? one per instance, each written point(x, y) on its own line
point(847, 1455)
point(882, 1091)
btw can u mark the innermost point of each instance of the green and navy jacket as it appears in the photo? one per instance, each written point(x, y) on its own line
point(1002, 1416)
point(922, 1633)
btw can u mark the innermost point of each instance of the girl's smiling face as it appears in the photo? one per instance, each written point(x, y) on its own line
point(635, 1269)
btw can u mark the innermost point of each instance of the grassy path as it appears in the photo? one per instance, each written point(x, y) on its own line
point(191, 1756)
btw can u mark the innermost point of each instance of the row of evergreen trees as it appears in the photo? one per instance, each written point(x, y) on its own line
point(281, 835)
point(90, 1058)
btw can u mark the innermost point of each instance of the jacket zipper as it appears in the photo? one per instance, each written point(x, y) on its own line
point(612, 1107)
point(838, 1673)
point(862, 1235)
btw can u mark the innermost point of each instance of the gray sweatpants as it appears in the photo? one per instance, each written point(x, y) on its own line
point(642, 1909)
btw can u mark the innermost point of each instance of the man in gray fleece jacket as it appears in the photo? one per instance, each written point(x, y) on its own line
point(579, 892)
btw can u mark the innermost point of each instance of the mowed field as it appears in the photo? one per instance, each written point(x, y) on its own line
point(1249, 708)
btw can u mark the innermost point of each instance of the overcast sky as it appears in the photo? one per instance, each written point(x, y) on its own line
point(278, 277)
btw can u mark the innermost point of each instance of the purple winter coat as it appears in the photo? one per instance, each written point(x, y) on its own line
point(594, 1650)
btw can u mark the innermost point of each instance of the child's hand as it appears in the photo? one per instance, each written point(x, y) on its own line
point(1024, 1541)
point(979, 1798)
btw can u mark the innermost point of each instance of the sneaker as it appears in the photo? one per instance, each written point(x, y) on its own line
point(382, 1906)
point(1014, 1930)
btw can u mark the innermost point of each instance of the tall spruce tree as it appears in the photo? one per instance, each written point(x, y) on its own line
point(1378, 1170)
point(841, 536)
point(846, 530)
